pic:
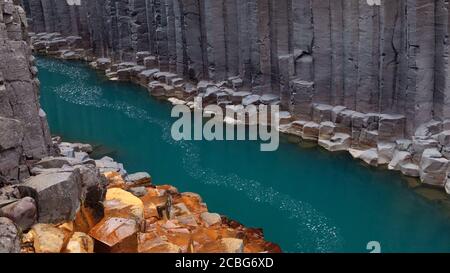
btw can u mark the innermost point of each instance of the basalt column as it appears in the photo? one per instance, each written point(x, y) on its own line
point(24, 133)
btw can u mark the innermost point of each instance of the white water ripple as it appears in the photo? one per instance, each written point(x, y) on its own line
point(313, 231)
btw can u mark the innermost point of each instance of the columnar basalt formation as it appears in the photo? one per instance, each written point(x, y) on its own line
point(24, 133)
point(53, 196)
point(386, 57)
point(367, 76)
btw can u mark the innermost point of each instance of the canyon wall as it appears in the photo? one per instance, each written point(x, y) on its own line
point(24, 133)
point(370, 56)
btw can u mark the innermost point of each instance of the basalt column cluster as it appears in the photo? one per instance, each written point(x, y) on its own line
point(369, 56)
point(24, 133)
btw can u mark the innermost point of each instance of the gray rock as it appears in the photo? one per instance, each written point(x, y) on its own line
point(93, 189)
point(444, 138)
point(57, 195)
point(368, 138)
point(237, 97)
point(370, 157)
point(385, 152)
point(399, 158)
point(59, 162)
point(311, 131)
point(139, 179)
point(404, 145)
point(22, 212)
point(138, 191)
point(66, 151)
point(326, 130)
point(322, 112)
point(429, 129)
point(338, 142)
point(433, 168)
point(107, 164)
point(9, 236)
point(420, 144)
point(103, 63)
point(410, 169)
point(391, 127)
point(11, 133)
point(269, 98)
point(252, 99)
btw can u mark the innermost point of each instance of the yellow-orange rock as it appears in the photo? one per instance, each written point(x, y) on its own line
point(115, 235)
point(154, 243)
point(84, 220)
point(225, 245)
point(115, 180)
point(47, 238)
point(121, 203)
point(67, 229)
point(80, 243)
point(192, 202)
point(168, 188)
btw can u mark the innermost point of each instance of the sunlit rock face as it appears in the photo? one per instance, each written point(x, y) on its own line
point(23, 126)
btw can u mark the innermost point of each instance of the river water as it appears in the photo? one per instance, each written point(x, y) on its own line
point(305, 199)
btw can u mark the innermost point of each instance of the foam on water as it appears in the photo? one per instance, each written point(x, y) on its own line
point(312, 227)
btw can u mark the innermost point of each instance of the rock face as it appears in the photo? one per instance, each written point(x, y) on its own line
point(57, 194)
point(24, 133)
point(9, 237)
point(350, 54)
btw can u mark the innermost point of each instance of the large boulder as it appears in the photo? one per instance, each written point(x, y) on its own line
point(370, 157)
point(338, 142)
point(93, 189)
point(107, 164)
point(9, 236)
point(311, 131)
point(57, 195)
point(322, 112)
point(326, 130)
point(385, 152)
point(391, 127)
point(115, 235)
point(23, 212)
point(410, 169)
point(433, 168)
point(47, 238)
point(420, 144)
point(399, 158)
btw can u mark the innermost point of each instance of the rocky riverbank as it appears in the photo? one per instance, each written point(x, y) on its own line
point(75, 204)
point(55, 198)
point(376, 139)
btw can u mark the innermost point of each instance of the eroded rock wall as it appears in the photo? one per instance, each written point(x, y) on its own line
point(370, 56)
point(24, 133)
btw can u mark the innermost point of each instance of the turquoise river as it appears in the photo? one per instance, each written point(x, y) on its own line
point(305, 199)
